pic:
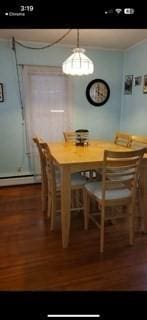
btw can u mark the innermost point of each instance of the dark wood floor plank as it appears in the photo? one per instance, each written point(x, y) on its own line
point(32, 257)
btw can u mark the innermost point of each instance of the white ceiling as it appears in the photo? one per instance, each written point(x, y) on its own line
point(103, 38)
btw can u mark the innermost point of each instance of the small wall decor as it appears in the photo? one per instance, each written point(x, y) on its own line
point(1, 93)
point(128, 84)
point(138, 81)
point(145, 84)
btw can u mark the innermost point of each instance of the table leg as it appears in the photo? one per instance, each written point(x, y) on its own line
point(65, 205)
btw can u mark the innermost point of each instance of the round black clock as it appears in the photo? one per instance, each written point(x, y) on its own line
point(98, 92)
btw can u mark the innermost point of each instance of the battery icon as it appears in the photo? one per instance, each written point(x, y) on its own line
point(129, 11)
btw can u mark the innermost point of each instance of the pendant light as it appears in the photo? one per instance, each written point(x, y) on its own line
point(78, 64)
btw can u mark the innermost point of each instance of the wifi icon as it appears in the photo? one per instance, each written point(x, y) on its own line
point(118, 11)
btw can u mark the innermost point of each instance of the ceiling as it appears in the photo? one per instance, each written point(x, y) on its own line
point(99, 38)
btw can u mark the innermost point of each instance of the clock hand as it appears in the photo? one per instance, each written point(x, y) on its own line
point(97, 90)
point(101, 94)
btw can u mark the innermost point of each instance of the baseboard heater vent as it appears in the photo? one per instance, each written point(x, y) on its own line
point(13, 181)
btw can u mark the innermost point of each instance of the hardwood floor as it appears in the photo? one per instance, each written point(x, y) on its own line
point(32, 258)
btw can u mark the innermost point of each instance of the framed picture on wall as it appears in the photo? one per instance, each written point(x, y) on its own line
point(145, 84)
point(1, 93)
point(128, 84)
point(138, 81)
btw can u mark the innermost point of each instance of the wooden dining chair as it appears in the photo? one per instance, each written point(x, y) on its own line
point(77, 184)
point(118, 188)
point(69, 136)
point(138, 142)
point(44, 182)
point(122, 139)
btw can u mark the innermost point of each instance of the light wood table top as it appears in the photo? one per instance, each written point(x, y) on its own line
point(66, 153)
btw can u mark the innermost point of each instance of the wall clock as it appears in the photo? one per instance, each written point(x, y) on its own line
point(98, 92)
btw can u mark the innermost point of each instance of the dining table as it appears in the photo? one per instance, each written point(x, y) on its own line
point(70, 158)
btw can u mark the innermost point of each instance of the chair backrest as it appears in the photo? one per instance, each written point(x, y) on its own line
point(121, 170)
point(38, 141)
point(69, 136)
point(122, 138)
point(138, 142)
point(50, 168)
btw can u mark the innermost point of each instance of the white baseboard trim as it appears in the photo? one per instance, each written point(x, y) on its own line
point(19, 181)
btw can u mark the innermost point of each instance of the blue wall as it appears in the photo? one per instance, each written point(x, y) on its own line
point(134, 106)
point(11, 133)
point(102, 122)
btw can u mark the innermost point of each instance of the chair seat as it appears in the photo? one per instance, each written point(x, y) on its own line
point(96, 189)
point(76, 180)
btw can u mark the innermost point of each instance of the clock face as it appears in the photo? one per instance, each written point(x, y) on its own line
point(97, 92)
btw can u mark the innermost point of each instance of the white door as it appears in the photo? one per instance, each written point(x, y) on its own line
point(48, 107)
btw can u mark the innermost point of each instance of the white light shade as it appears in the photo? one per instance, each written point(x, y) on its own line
point(78, 64)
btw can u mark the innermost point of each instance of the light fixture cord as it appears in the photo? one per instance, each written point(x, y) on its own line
point(24, 134)
point(44, 47)
point(18, 80)
point(77, 38)
point(78, 47)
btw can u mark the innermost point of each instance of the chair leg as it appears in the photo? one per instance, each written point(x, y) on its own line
point(44, 197)
point(49, 206)
point(76, 201)
point(102, 229)
point(53, 212)
point(86, 201)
